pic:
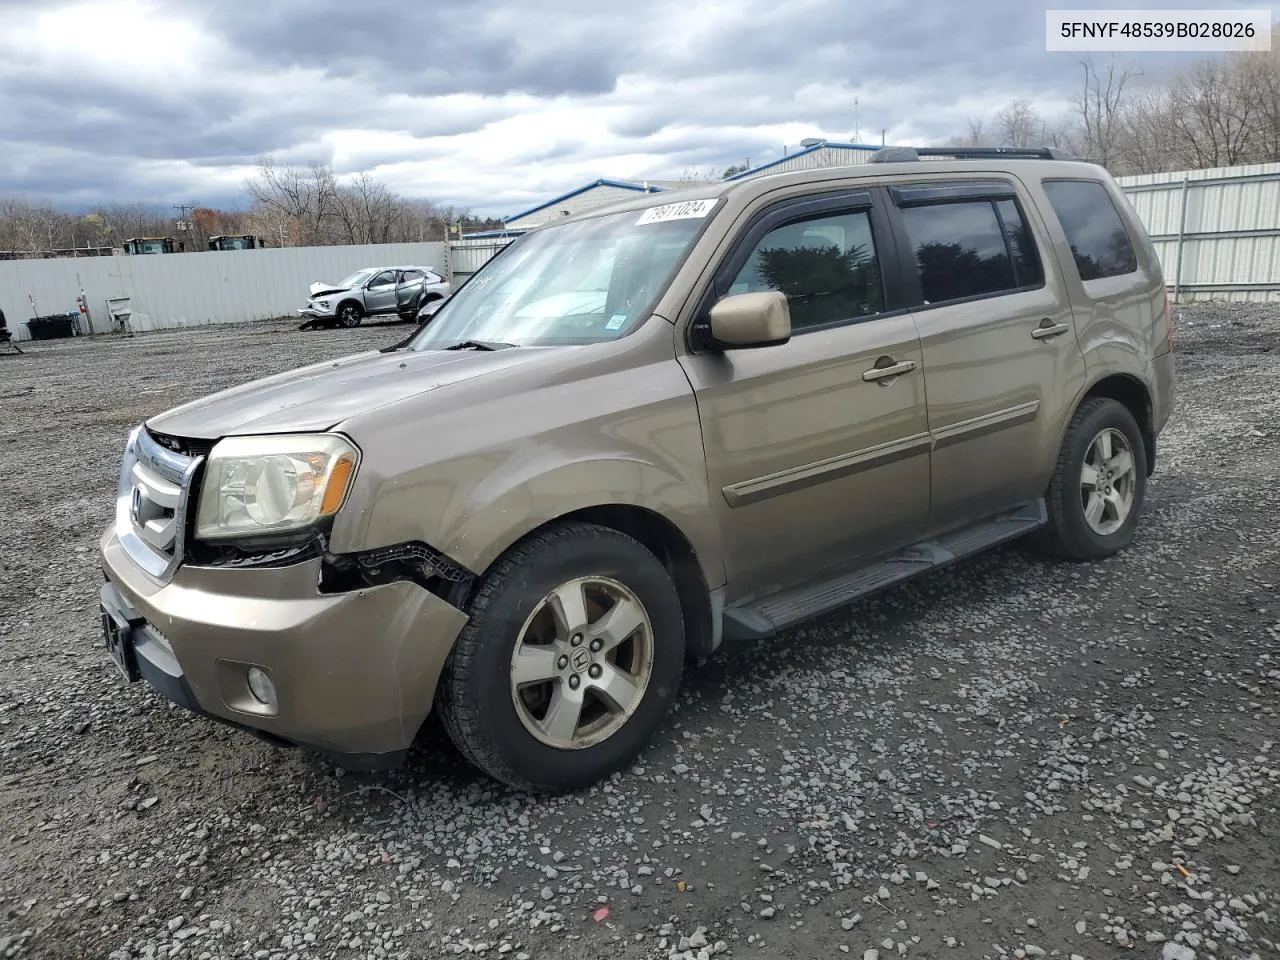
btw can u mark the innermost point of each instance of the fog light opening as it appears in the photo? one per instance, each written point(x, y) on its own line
point(260, 685)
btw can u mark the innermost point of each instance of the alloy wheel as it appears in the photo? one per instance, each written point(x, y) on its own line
point(582, 663)
point(1107, 482)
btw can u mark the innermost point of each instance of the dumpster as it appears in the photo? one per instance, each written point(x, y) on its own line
point(53, 327)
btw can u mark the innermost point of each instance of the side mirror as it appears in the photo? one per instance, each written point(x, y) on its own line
point(750, 320)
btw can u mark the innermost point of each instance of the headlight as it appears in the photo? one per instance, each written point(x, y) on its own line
point(277, 484)
point(322, 304)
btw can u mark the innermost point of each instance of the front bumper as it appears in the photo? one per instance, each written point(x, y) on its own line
point(315, 313)
point(355, 673)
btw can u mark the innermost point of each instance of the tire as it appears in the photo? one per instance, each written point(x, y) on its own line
point(489, 719)
point(1075, 531)
point(349, 315)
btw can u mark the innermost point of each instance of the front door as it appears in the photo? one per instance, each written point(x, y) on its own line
point(998, 340)
point(815, 455)
point(380, 295)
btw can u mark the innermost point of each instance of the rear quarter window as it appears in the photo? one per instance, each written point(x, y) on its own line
point(1094, 228)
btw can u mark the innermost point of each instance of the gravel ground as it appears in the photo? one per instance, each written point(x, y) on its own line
point(1012, 758)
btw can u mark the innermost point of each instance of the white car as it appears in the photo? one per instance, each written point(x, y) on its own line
point(404, 291)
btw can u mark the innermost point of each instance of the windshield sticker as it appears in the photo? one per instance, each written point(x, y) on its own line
point(688, 210)
point(616, 321)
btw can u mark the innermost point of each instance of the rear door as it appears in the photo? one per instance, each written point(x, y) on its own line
point(815, 454)
point(999, 346)
point(409, 290)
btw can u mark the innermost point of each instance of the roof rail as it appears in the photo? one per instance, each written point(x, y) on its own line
point(909, 154)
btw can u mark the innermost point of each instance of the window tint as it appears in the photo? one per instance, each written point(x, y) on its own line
point(1099, 243)
point(826, 266)
point(1022, 246)
point(960, 249)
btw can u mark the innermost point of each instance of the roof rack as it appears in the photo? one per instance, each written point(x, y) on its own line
point(909, 154)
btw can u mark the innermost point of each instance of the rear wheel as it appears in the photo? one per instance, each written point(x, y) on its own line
point(350, 315)
point(570, 662)
point(1099, 488)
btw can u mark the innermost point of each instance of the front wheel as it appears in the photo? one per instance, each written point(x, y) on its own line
point(569, 663)
point(350, 315)
point(1099, 487)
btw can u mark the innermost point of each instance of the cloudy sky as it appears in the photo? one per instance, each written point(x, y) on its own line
point(489, 104)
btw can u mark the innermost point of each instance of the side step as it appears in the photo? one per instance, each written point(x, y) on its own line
point(763, 616)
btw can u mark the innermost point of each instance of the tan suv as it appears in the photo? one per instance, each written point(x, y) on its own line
point(637, 434)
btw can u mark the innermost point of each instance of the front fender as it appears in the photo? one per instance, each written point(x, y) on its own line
point(472, 467)
point(512, 504)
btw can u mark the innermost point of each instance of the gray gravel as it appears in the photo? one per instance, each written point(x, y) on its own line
point(1012, 758)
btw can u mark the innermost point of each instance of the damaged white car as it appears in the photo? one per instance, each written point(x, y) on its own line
point(411, 293)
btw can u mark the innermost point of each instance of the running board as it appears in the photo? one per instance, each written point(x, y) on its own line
point(763, 616)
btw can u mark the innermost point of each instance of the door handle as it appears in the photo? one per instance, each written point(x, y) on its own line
point(1047, 330)
point(893, 370)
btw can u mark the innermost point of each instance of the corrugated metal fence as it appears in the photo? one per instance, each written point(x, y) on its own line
point(192, 289)
point(468, 256)
point(1217, 231)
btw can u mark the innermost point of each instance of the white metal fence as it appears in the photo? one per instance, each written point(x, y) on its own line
point(1216, 231)
point(468, 256)
point(191, 289)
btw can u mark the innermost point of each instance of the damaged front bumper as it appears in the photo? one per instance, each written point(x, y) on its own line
point(353, 674)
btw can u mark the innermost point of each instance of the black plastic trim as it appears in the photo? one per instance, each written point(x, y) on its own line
point(910, 154)
point(935, 193)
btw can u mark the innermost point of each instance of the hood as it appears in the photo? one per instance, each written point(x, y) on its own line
point(322, 395)
point(317, 289)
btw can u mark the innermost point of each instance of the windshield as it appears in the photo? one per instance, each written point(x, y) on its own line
point(578, 283)
point(358, 277)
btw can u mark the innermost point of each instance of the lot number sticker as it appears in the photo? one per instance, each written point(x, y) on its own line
point(688, 210)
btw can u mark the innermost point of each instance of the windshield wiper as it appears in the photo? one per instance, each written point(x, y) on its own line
point(480, 345)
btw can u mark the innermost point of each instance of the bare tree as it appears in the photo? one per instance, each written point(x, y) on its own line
point(302, 200)
point(973, 137)
point(1213, 113)
point(126, 220)
point(1099, 105)
point(1019, 125)
point(1258, 75)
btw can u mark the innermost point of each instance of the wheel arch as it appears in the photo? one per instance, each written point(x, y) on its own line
point(666, 541)
point(1135, 396)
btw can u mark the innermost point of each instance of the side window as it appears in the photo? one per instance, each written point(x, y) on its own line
point(385, 279)
point(410, 276)
point(1022, 245)
point(826, 266)
point(1099, 242)
point(972, 248)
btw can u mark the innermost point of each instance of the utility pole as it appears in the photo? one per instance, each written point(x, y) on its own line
point(184, 225)
point(857, 134)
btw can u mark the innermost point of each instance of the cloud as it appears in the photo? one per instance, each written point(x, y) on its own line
point(491, 105)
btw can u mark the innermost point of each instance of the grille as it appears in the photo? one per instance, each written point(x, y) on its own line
point(151, 504)
point(186, 446)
